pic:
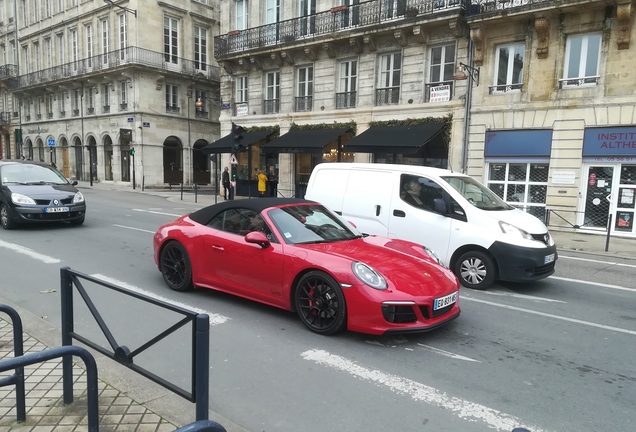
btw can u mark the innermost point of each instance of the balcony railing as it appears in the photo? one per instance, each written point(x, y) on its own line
point(75, 113)
point(271, 106)
point(123, 106)
point(303, 103)
point(5, 118)
point(106, 109)
point(8, 71)
point(90, 110)
point(345, 100)
point(62, 113)
point(133, 56)
point(172, 109)
point(201, 114)
point(504, 88)
point(579, 82)
point(339, 18)
point(387, 96)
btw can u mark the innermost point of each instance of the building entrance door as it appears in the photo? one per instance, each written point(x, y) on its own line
point(599, 196)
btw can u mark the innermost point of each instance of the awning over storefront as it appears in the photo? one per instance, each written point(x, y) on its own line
point(518, 143)
point(305, 140)
point(394, 139)
point(226, 144)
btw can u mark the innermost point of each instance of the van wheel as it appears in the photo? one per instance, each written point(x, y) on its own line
point(475, 270)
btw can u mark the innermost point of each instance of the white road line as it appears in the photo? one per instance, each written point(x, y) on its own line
point(617, 287)
point(521, 296)
point(134, 229)
point(157, 212)
point(597, 261)
point(547, 315)
point(464, 409)
point(29, 252)
point(448, 353)
point(214, 318)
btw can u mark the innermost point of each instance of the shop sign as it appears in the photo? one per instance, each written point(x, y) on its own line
point(612, 141)
point(563, 177)
point(241, 109)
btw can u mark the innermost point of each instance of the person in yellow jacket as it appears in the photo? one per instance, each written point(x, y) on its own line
point(262, 183)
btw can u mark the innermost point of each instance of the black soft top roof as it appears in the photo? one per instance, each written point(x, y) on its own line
point(206, 214)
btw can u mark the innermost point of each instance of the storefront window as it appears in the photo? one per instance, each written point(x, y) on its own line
point(523, 185)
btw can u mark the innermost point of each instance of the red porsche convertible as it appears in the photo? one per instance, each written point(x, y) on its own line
point(298, 255)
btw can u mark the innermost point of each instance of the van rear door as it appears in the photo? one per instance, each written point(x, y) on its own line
point(367, 201)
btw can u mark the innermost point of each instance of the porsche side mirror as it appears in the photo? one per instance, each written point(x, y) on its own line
point(258, 238)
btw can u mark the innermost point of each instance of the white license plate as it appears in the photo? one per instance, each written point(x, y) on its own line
point(442, 302)
point(56, 209)
point(548, 259)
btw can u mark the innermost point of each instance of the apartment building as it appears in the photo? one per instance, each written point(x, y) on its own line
point(545, 113)
point(108, 90)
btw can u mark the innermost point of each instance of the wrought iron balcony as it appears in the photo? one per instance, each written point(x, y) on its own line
point(123, 106)
point(303, 103)
point(271, 106)
point(387, 96)
point(345, 100)
point(8, 71)
point(579, 82)
point(131, 56)
point(357, 16)
point(478, 7)
point(505, 88)
point(5, 118)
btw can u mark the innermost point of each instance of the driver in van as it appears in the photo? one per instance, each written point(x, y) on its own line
point(412, 195)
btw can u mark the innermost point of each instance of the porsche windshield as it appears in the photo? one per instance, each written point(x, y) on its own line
point(477, 194)
point(30, 174)
point(310, 224)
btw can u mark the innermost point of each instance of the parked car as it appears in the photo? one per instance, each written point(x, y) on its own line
point(35, 192)
point(297, 255)
point(475, 233)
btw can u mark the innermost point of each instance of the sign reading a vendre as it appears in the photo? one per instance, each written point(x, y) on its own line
point(440, 93)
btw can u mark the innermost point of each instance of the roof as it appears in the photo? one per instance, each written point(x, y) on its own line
point(206, 214)
point(304, 140)
point(394, 139)
point(226, 144)
point(23, 161)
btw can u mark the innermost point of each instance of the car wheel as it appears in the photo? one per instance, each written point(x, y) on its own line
point(175, 267)
point(78, 221)
point(320, 303)
point(475, 270)
point(5, 218)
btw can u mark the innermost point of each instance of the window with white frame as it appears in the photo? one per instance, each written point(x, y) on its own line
point(60, 6)
point(49, 105)
point(509, 61)
point(105, 40)
point(106, 97)
point(521, 184)
point(47, 8)
point(347, 84)
point(442, 65)
point(90, 100)
point(25, 12)
point(37, 57)
point(241, 89)
point(172, 98)
point(241, 14)
point(36, 11)
point(389, 79)
point(89, 45)
point(200, 48)
point(582, 59)
point(123, 35)
point(171, 40)
point(61, 54)
point(25, 59)
point(62, 103)
point(123, 95)
point(304, 88)
point(271, 103)
point(77, 101)
point(74, 48)
point(48, 53)
point(38, 107)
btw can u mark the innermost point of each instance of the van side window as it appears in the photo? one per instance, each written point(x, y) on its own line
point(420, 192)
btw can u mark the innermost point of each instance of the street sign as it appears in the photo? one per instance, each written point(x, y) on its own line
point(233, 160)
point(146, 124)
point(131, 119)
point(51, 142)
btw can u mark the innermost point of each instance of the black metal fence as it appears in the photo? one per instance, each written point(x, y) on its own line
point(570, 220)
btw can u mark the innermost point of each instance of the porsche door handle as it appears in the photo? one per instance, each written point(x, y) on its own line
point(219, 248)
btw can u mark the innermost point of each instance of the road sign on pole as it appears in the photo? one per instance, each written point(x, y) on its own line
point(51, 142)
point(233, 160)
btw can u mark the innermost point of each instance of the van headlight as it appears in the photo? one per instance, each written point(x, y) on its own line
point(369, 276)
point(512, 230)
point(21, 199)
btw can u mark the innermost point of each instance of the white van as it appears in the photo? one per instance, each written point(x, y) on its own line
point(473, 231)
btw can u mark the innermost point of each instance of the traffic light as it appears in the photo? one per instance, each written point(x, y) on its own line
point(132, 151)
point(237, 134)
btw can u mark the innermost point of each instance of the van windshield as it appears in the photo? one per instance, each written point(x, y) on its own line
point(477, 194)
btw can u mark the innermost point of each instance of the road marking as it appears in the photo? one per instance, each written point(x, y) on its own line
point(597, 261)
point(464, 409)
point(448, 353)
point(134, 229)
point(214, 318)
point(617, 287)
point(157, 212)
point(547, 315)
point(29, 252)
point(521, 296)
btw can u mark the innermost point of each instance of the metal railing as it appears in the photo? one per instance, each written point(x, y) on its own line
point(338, 18)
point(130, 56)
point(568, 220)
point(8, 71)
point(71, 281)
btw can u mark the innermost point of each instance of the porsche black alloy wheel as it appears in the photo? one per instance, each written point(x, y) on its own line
point(320, 303)
point(175, 267)
point(476, 270)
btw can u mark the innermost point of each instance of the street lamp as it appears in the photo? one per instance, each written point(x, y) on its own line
point(473, 75)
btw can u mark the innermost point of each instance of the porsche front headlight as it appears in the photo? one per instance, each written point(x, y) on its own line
point(369, 276)
point(22, 199)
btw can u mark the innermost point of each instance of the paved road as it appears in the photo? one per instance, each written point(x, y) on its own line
point(538, 355)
